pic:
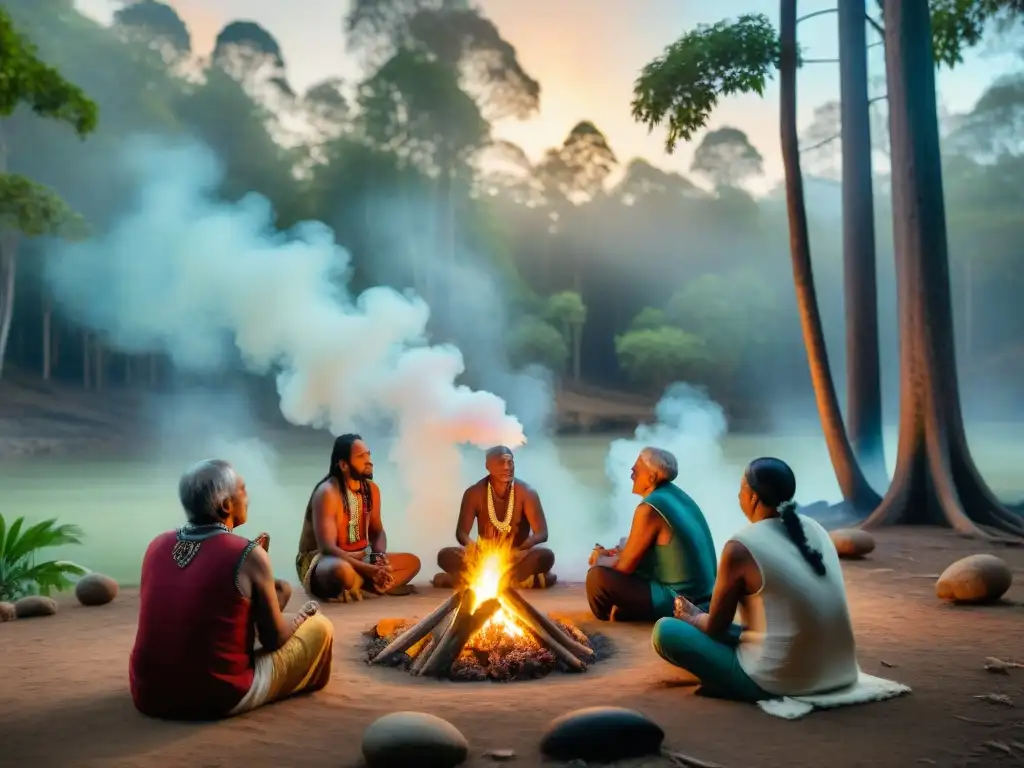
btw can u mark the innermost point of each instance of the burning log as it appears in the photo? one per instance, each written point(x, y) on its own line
point(553, 642)
point(466, 624)
point(418, 631)
point(521, 607)
point(486, 614)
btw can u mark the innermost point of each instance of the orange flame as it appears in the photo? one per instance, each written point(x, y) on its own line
point(486, 563)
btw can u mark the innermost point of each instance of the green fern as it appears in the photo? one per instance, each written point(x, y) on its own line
point(20, 573)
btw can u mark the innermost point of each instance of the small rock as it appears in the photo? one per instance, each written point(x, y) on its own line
point(35, 605)
point(501, 755)
point(974, 579)
point(601, 734)
point(7, 612)
point(405, 739)
point(387, 627)
point(95, 589)
point(852, 543)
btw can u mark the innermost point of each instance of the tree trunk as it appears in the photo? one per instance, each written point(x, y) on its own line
point(935, 481)
point(863, 381)
point(55, 351)
point(86, 360)
point(855, 488)
point(577, 349)
point(8, 264)
point(100, 363)
point(47, 337)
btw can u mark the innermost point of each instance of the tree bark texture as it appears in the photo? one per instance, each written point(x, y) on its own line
point(8, 265)
point(936, 481)
point(863, 380)
point(854, 486)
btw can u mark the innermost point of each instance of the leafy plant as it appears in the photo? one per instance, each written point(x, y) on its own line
point(20, 573)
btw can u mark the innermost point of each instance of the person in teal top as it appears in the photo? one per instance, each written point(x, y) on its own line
point(669, 551)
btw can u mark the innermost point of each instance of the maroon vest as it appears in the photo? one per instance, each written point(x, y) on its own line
point(193, 654)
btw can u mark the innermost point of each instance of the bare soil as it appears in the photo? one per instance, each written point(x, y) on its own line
point(65, 698)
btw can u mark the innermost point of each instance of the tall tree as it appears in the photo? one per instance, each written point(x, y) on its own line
point(936, 480)
point(681, 88)
point(570, 176)
point(727, 158)
point(155, 24)
point(26, 207)
point(864, 385)
point(456, 36)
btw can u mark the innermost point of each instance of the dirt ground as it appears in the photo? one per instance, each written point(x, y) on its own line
point(64, 697)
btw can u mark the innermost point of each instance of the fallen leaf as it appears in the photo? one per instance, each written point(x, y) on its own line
point(686, 761)
point(975, 721)
point(998, 746)
point(995, 698)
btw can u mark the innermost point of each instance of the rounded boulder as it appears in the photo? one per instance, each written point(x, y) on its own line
point(852, 543)
point(35, 605)
point(974, 579)
point(95, 589)
point(7, 612)
point(601, 734)
point(405, 739)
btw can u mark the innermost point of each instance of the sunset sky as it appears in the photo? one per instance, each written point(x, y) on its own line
point(586, 55)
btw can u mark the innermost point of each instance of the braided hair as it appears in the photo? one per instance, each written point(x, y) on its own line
point(775, 485)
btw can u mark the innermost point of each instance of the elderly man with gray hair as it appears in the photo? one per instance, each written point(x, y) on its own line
point(204, 596)
point(669, 550)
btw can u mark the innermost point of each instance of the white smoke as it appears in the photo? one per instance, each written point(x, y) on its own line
point(210, 283)
point(691, 426)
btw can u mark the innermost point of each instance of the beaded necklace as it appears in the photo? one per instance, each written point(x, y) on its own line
point(505, 525)
point(355, 504)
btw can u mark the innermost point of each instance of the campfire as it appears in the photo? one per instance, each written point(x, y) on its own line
point(486, 629)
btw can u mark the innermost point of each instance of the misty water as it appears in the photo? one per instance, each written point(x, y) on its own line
point(122, 503)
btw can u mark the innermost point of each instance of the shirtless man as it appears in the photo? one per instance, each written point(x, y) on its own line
point(502, 506)
point(343, 546)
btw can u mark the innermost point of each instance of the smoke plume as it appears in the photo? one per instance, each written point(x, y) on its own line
point(212, 284)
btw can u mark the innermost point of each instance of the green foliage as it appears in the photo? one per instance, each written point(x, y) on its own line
point(960, 24)
point(727, 158)
point(566, 310)
point(413, 106)
point(655, 358)
point(36, 210)
point(649, 319)
point(533, 341)
point(731, 312)
point(155, 23)
point(25, 79)
point(20, 572)
point(684, 84)
point(455, 35)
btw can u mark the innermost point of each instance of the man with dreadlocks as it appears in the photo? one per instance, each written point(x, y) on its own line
point(503, 507)
point(343, 546)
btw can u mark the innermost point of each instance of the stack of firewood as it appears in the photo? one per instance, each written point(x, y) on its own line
point(463, 623)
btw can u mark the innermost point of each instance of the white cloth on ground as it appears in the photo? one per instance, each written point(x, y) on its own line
point(868, 688)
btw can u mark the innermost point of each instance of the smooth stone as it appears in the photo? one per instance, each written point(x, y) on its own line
point(406, 739)
point(601, 734)
point(95, 589)
point(974, 579)
point(7, 612)
point(35, 605)
point(852, 543)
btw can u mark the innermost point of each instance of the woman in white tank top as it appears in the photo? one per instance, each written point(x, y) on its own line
point(783, 574)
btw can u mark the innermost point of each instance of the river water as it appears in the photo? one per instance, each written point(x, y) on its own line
point(122, 503)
